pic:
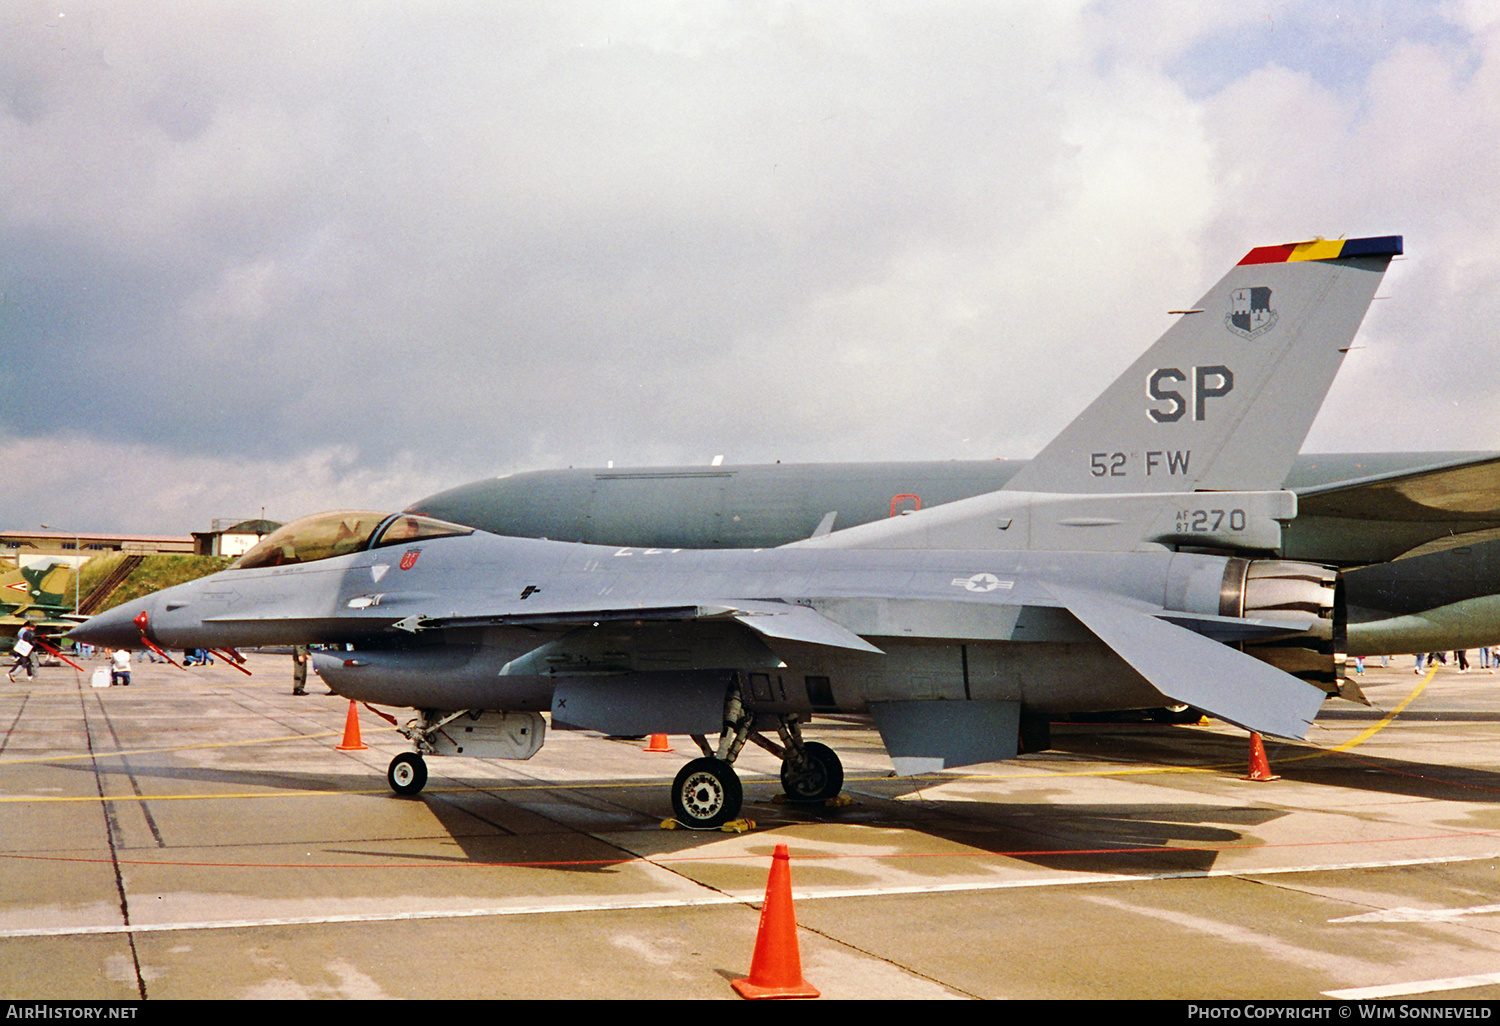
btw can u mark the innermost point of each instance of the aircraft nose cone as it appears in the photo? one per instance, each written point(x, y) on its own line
point(114, 628)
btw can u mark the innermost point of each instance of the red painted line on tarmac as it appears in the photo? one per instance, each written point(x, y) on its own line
point(756, 856)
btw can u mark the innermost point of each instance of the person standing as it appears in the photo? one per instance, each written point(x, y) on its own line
point(25, 645)
point(299, 669)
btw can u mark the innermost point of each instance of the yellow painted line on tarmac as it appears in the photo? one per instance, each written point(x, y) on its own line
point(1360, 739)
point(1365, 735)
point(311, 793)
point(174, 748)
point(1386, 720)
point(596, 785)
point(64, 799)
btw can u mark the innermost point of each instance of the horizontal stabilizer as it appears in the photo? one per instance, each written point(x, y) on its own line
point(1230, 629)
point(1198, 671)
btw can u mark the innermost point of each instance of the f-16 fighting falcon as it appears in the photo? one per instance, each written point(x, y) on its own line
point(1127, 566)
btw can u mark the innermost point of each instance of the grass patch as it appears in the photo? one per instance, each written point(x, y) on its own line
point(155, 573)
point(94, 571)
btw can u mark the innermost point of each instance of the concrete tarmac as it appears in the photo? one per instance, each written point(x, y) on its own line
point(197, 835)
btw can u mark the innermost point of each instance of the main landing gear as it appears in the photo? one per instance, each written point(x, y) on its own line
point(821, 777)
point(707, 792)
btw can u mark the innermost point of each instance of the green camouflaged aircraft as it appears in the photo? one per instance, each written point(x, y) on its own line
point(35, 593)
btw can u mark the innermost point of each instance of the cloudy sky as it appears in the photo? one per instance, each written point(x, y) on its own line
point(296, 256)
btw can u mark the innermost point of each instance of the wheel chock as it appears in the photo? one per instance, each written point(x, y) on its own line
point(734, 826)
point(658, 744)
point(838, 801)
point(351, 742)
point(1260, 767)
point(776, 967)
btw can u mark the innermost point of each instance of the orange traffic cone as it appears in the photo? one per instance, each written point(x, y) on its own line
point(351, 742)
point(776, 968)
point(1260, 767)
point(658, 744)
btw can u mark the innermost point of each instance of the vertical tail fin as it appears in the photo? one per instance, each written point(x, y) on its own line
point(35, 586)
point(1225, 398)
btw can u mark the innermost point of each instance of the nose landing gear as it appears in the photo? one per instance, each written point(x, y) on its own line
point(408, 773)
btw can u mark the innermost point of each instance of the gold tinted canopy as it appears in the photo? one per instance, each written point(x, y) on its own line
point(325, 535)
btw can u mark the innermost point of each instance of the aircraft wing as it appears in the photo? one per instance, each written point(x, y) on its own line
point(1403, 512)
point(1468, 487)
point(778, 620)
point(1197, 670)
point(1181, 655)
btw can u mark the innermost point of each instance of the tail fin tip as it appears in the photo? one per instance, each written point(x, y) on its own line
point(1325, 249)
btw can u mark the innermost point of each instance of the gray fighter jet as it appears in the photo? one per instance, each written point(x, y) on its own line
point(1124, 567)
point(1436, 514)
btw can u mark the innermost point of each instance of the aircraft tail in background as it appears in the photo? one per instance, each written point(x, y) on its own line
point(40, 588)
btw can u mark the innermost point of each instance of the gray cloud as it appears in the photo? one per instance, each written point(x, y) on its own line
point(289, 255)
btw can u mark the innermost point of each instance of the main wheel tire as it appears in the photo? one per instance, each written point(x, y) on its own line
point(408, 773)
point(1176, 714)
point(1035, 733)
point(707, 794)
point(822, 780)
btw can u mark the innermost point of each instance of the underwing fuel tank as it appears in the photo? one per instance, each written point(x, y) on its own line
point(439, 677)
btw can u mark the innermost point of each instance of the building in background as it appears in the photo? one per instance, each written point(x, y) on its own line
point(233, 541)
point(42, 547)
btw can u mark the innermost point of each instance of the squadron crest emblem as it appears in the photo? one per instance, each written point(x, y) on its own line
point(409, 558)
point(1250, 312)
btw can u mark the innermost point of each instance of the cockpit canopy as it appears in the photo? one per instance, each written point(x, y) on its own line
point(324, 535)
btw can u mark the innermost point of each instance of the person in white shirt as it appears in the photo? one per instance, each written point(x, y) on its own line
point(119, 670)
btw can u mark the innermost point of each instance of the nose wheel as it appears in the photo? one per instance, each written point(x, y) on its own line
point(408, 773)
point(707, 794)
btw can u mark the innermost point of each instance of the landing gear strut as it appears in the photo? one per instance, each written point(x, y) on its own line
point(707, 792)
point(408, 771)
